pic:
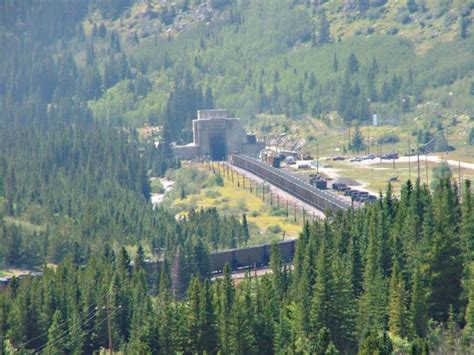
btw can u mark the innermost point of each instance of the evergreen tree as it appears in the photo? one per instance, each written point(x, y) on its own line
point(207, 320)
point(324, 34)
point(208, 99)
point(56, 341)
point(276, 267)
point(225, 300)
point(242, 340)
point(245, 229)
point(353, 64)
point(411, 6)
point(398, 311)
point(357, 143)
point(445, 263)
point(468, 332)
point(418, 306)
point(335, 64)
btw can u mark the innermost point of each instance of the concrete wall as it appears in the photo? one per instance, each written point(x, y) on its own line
point(186, 152)
point(212, 123)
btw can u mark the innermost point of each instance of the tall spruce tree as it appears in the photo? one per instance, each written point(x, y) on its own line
point(398, 308)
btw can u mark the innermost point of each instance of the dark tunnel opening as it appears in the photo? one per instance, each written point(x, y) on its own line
point(218, 147)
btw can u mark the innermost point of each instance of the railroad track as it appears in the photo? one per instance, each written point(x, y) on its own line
point(322, 200)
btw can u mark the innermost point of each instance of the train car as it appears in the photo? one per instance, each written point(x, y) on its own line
point(292, 184)
point(258, 255)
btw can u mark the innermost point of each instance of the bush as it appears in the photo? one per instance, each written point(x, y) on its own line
point(157, 186)
point(254, 214)
point(277, 212)
point(275, 229)
point(392, 31)
point(212, 194)
point(388, 138)
point(470, 138)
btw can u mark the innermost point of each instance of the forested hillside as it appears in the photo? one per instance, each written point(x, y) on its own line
point(77, 78)
point(395, 276)
point(298, 57)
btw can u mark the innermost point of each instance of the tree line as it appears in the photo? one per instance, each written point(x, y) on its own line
point(393, 276)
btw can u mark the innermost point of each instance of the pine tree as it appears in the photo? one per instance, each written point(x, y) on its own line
point(411, 6)
point(418, 306)
point(208, 99)
point(207, 320)
point(324, 34)
point(468, 332)
point(283, 333)
point(357, 143)
point(56, 340)
point(344, 307)
point(335, 64)
point(398, 312)
point(276, 267)
point(242, 339)
point(225, 300)
point(353, 64)
point(193, 317)
point(445, 263)
point(321, 312)
point(245, 229)
point(451, 331)
point(373, 302)
point(467, 224)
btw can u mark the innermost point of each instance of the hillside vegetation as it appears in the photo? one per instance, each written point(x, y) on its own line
point(78, 77)
point(294, 57)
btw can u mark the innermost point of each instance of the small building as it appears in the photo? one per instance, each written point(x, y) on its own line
point(215, 136)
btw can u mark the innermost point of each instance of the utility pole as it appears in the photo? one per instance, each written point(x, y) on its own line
point(409, 160)
point(426, 164)
point(349, 145)
point(109, 325)
point(317, 158)
point(460, 178)
point(109, 330)
point(368, 139)
point(418, 158)
point(393, 156)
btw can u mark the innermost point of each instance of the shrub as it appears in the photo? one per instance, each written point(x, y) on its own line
point(388, 138)
point(274, 229)
point(254, 214)
point(212, 193)
point(157, 187)
point(470, 138)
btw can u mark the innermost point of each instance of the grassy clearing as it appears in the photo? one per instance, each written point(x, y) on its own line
point(9, 272)
point(330, 136)
point(375, 177)
point(24, 225)
point(266, 223)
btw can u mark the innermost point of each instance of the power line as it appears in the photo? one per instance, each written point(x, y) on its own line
point(65, 333)
point(64, 322)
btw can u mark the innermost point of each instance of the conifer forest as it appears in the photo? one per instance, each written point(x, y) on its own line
point(82, 82)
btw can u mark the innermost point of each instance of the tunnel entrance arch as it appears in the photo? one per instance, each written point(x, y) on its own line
point(218, 147)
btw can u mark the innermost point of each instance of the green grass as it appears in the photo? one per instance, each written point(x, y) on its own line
point(25, 225)
point(330, 136)
point(231, 199)
point(375, 177)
